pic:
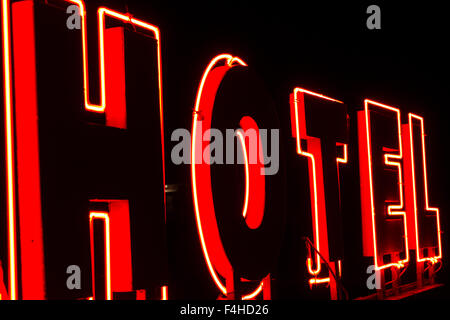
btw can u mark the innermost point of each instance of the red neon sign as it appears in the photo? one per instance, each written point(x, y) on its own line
point(424, 227)
point(378, 207)
point(213, 251)
point(117, 247)
point(317, 164)
point(396, 212)
point(22, 138)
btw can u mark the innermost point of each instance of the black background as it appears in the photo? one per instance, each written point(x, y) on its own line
point(321, 46)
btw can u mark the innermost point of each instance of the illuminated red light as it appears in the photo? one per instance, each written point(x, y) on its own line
point(340, 268)
point(164, 293)
point(344, 160)
point(105, 217)
point(255, 293)
point(319, 218)
point(102, 13)
point(212, 271)
point(117, 246)
point(32, 270)
point(413, 194)
point(211, 244)
point(247, 179)
point(390, 160)
point(318, 281)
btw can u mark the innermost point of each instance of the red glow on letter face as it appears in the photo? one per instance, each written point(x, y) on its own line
point(381, 157)
point(423, 221)
point(22, 146)
point(255, 183)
